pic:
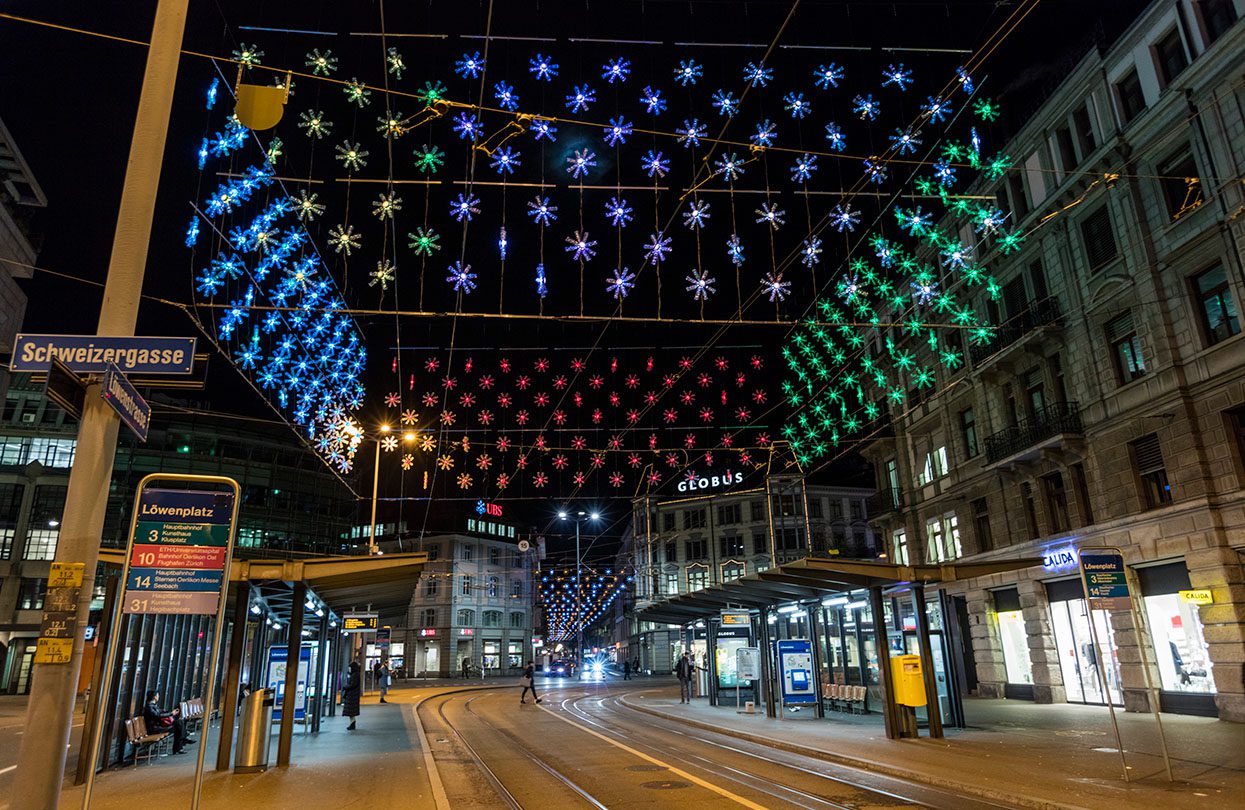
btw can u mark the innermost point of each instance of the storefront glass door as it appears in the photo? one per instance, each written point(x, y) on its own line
point(1078, 659)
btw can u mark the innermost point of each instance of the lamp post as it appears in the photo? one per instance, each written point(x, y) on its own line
point(384, 431)
point(579, 615)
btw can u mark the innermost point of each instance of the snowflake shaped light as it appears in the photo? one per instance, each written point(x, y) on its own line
point(314, 123)
point(843, 218)
point(866, 107)
point(691, 132)
point(618, 212)
point(357, 93)
point(617, 131)
point(827, 76)
point(696, 215)
point(464, 207)
point(924, 291)
point(905, 141)
point(621, 284)
point(688, 72)
point(461, 277)
point(897, 75)
point(321, 64)
point(700, 285)
point(657, 247)
point(424, 241)
point(382, 275)
point(394, 60)
point(306, 207)
point(775, 288)
point(432, 91)
point(578, 164)
point(389, 444)
point(653, 103)
point(387, 205)
point(850, 288)
point(936, 108)
point(541, 211)
point(393, 399)
point(803, 168)
point(725, 103)
point(965, 80)
point(766, 132)
point(408, 461)
point(616, 70)
point(735, 250)
point(543, 67)
point(505, 160)
point(944, 172)
point(544, 128)
point(757, 75)
point(838, 142)
point(581, 247)
point(542, 282)
point(506, 97)
point(467, 126)
point(429, 158)
point(655, 164)
point(771, 213)
point(352, 155)
point(470, 66)
point(581, 99)
point(343, 239)
point(248, 55)
point(875, 170)
point(986, 110)
point(810, 251)
point(729, 166)
point(795, 104)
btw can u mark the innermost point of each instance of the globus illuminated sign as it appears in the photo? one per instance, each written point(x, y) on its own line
point(693, 484)
point(488, 508)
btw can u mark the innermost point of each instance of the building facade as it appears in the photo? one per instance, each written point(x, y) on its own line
point(697, 537)
point(291, 501)
point(474, 602)
point(21, 199)
point(1109, 410)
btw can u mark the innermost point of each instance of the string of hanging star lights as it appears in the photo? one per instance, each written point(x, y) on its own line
point(567, 608)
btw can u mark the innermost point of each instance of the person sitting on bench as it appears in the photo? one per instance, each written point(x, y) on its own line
point(158, 721)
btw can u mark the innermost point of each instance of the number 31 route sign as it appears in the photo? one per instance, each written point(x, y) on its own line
point(179, 551)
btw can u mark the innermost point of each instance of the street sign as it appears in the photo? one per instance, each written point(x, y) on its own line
point(126, 401)
point(383, 636)
point(93, 353)
point(360, 622)
point(748, 663)
point(65, 388)
point(1106, 582)
point(179, 551)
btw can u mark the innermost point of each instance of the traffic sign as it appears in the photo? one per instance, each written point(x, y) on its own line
point(94, 353)
point(126, 401)
point(1106, 582)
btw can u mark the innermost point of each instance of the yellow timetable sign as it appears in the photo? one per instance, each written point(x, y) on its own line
point(736, 619)
point(360, 622)
point(1198, 596)
point(53, 650)
point(66, 575)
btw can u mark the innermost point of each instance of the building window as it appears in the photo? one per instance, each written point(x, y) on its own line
point(430, 617)
point(1098, 238)
point(465, 590)
point(942, 538)
point(968, 432)
point(516, 621)
point(672, 551)
point(756, 511)
point(1217, 17)
point(1215, 306)
point(1081, 484)
point(516, 588)
point(434, 551)
point(759, 543)
point(697, 578)
point(431, 586)
point(694, 519)
point(1128, 93)
point(466, 618)
point(791, 539)
point(1169, 56)
point(935, 466)
point(696, 548)
point(728, 514)
point(1056, 502)
point(815, 509)
point(857, 509)
point(1067, 152)
point(494, 556)
point(1030, 508)
point(469, 552)
point(1179, 182)
point(731, 545)
point(1151, 474)
point(672, 584)
point(492, 618)
point(1084, 130)
point(788, 506)
point(1125, 346)
point(30, 593)
point(981, 524)
point(667, 521)
point(10, 510)
point(899, 547)
point(732, 571)
point(494, 587)
point(1016, 190)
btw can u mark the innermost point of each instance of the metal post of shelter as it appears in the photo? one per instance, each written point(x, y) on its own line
point(293, 652)
point(933, 708)
point(233, 675)
point(97, 703)
point(767, 675)
point(711, 644)
point(322, 668)
point(884, 662)
point(814, 633)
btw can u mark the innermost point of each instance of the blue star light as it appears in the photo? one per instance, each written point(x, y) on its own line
point(844, 218)
point(915, 222)
point(467, 126)
point(691, 132)
point(897, 75)
point(804, 167)
point(541, 211)
point(924, 291)
point(544, 128)
point(618, 212)
point(766, 132)
point(866, 107)
point(735, 250)
point(621, 284)
point(461, 277)
point(905, 141)
point(827, 76)
point(464, 207)
point(757, 75)
point(654, 104)
point(617, 131)
point(578, 164)
point(965, 80)
point(700, 285)
point(729, 166)
point(770, 212)
point(696, 214)
point(580, 246)
point(835, 136)
point(936, 108)
point(944, 172)
point(507, 99)
point(875, 170)
point(542, 283)
point(657, 247)
point(725, 103)
point(580, 100)
point(543, 67)
point(616, 70)
point(506, 160)
point(688, 72)
point(775, 287)
point(795, 104)
point(470, 66)
point(810, 251)
point(655, 164)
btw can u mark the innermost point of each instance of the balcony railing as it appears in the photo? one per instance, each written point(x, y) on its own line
point(1037, 313)
point(884, 501)
point(1052, 420)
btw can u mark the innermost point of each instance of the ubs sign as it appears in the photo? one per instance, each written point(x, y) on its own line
point(698, 483)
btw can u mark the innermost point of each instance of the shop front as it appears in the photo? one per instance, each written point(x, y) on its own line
point(1083, 665)
point(1014, 641)
point(1187, 685)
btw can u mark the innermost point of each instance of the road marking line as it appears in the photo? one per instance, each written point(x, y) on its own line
point(721, 791)
point(6, 770)
point(434, 775)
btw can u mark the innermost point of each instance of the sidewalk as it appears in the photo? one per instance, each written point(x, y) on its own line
point(1016, 753)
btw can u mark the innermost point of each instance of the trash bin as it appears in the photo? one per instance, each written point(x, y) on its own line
point(251, 754)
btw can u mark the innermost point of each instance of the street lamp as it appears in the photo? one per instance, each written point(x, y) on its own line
point(579, 615)
point(383, 431)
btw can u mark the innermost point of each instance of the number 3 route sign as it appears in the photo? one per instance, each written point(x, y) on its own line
point(179, 551)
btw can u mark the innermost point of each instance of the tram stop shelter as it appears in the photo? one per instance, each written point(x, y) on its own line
point(806, 582)
point(272, 603)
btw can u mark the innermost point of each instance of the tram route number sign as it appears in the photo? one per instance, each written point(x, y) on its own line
point(178, 551)
point(1106, 581)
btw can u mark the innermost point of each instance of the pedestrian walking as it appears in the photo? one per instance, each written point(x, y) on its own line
point(383, 679)
point(529, 682)
point(626, 670)
point(685, 670)
point(350, 695)
point(466, 668)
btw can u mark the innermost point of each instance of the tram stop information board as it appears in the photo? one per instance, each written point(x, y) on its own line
point(178, 552)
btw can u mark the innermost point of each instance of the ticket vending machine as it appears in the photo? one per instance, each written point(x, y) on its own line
point(795, 671)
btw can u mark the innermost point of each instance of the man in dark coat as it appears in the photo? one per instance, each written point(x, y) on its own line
point(685, 670)
point(350, 695)
point(158, 721)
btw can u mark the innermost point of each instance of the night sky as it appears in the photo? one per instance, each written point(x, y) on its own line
point(69, 99)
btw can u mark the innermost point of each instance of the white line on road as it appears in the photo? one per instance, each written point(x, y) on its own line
point(721, 791)
point(430, 764)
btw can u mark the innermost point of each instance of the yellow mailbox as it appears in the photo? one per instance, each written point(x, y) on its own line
point(908, 680)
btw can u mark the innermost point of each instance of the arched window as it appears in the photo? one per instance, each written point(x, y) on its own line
point(466, 617)
point(492, 618)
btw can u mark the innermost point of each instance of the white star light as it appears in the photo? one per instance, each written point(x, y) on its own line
point(541, 211)
point(696, 214)
point(618, 212)
point(771, 213)
point(461, 277)
point(775, 287)
point(621, 284)
point(580, 246)
point(657, 248)
point(700, 285)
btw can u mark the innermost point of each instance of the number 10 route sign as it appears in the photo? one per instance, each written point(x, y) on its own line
point(179, 551)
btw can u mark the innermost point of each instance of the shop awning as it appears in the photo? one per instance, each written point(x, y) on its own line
point(815, 578)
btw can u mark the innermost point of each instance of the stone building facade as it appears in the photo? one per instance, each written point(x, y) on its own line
point(1110, 408)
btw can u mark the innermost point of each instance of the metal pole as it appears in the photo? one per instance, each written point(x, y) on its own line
point(371, 538)
point(890, 711)
point(1142, 634)
point(1102, 676)
point(293, 661)
point(579, 613)
point(233, 675)
point(933, 708)
point(97, 704)
point(49, 713)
